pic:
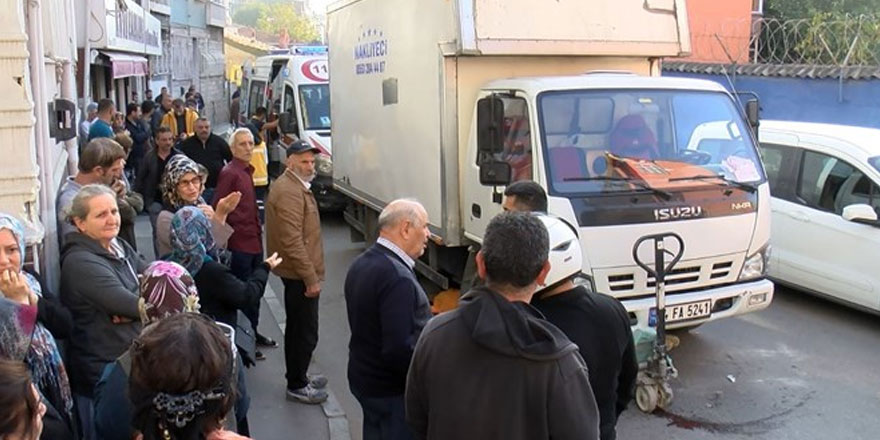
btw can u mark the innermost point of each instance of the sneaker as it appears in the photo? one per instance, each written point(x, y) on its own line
point(307, 394)
point(318, 381)
point(264, 341)
point(258, 355)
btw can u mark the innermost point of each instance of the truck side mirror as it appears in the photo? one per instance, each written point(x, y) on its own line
point(495, 173)
point(490, 123)
point(287, 123)
point(753, 112)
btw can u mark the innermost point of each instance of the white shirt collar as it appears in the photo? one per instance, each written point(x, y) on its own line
point(397, 251)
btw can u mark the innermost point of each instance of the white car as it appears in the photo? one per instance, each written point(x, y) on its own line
point(825, 183)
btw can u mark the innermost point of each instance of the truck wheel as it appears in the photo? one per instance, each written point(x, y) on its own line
point(647, 398)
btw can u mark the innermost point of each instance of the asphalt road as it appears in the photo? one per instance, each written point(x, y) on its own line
point(804, 368)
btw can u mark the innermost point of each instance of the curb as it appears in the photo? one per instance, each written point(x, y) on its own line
point(337, 422)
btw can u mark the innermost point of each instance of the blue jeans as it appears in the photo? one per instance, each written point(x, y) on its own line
point(384, 417)
point(153, 210)
point(242, 402)
point(85, 409)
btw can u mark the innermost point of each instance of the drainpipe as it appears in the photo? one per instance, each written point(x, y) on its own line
point(68, 89)
point(87, 58)
point(68, 92)
point(43, 143)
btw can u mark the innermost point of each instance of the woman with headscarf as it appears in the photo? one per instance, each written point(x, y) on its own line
point(166, 289)
point(222, 293)
point(99, 283)
point(182, 185)
point(29, 323)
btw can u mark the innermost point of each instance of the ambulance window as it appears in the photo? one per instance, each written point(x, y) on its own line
point(289, 101)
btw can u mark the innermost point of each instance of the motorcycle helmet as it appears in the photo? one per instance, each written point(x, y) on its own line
point(565, 251)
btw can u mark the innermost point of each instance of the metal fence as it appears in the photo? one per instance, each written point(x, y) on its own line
point(823, 40)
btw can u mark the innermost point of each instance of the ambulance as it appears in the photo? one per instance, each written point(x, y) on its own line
point(294, 85)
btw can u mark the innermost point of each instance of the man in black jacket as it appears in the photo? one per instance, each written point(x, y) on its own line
point(597, 323)
point(147, 181)
point(494, 368)
point(140, 135)
point(209, 150)
point(387, 310)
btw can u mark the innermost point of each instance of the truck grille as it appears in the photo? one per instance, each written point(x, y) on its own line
point(687, 275)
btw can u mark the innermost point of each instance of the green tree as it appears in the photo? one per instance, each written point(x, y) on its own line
point(789, 9)
point(248, 14)
point(275, 17)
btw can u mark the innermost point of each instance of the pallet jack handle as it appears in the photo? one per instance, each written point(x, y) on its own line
point(659, 272)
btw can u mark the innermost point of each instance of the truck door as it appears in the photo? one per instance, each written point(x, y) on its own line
point(481, 202)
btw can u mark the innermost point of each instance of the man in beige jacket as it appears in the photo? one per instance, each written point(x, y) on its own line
point(293, 229)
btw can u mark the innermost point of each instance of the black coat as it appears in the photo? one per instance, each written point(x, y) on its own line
point(599, 325)
point(97, 286)
point(140, 134)
point(387, 310)
point(495, 369)
point(222, 294)
point(148, 177)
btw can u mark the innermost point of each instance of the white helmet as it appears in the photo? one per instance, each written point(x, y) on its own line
point(565, 250)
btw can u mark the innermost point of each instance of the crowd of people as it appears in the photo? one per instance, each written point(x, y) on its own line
point(131, 348)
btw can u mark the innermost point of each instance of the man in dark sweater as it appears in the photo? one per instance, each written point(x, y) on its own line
point(597, 323)
point(387, 310)
point(210, 150)
point(494, 368)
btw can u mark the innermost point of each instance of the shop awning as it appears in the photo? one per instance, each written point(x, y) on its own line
point(124, 64)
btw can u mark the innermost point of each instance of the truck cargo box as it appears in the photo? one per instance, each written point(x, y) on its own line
point(407, 75)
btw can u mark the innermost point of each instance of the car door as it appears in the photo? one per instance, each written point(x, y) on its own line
point(780, 156)
point(829, 254)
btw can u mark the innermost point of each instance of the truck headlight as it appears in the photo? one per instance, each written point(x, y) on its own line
point(323, 164)
point(755, 265)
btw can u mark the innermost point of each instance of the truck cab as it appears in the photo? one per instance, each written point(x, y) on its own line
point(623, 156)
point(293, 84)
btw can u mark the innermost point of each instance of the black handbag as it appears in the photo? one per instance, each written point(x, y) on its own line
point(245, 339)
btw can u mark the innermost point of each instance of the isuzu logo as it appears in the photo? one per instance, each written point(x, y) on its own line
point(677, 212)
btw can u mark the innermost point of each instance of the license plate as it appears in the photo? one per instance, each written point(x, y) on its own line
point(684, 312)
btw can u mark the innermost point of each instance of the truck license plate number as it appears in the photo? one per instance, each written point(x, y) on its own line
point(684, 312)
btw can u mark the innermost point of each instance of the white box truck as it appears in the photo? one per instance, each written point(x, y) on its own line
point(448, 101)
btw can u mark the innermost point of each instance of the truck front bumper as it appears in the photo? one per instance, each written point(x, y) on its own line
point(726, 301)
point(328, 198)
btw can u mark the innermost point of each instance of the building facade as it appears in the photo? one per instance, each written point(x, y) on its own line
point(38, 54)
point(116, 37)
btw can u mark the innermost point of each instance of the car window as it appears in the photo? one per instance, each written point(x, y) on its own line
point(830, 184)
point(780, 167)
point(772, 156)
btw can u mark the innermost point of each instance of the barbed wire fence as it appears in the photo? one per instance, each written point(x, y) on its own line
point(824, 40)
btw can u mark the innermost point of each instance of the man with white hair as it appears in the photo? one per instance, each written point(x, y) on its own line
point(246, 243)
point(293, 230)
point(387, 310)
point(84, 126)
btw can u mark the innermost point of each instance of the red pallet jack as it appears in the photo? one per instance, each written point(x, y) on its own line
point(652, 384)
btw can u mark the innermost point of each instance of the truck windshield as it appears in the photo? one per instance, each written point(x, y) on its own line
point(599, 141)
point(315, 101)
